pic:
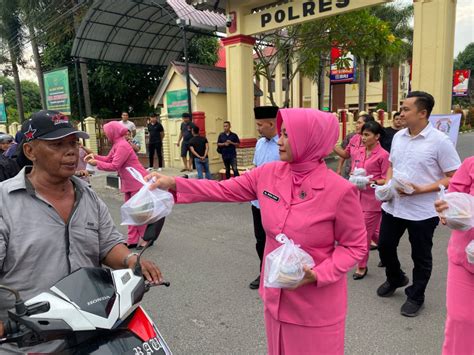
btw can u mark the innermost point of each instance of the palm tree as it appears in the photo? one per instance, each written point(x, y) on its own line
point(11, 34)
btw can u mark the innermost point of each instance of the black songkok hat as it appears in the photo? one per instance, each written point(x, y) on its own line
point(265, 112)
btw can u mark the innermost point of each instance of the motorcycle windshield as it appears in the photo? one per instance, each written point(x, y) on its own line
point(91, 289)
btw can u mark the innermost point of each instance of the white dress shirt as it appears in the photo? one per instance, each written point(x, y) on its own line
point(423, 159)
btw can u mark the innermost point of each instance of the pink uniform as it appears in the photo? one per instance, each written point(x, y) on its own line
point(119, 158)
point(375, 164)
point(316, 208)
point(353, 147)
point(460, 284)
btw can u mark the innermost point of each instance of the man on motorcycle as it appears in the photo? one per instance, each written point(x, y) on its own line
point(52, 223)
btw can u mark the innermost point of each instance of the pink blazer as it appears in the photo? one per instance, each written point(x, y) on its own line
point(377, 165)
point(119, 158)
point(462, 181)
point(327, 223)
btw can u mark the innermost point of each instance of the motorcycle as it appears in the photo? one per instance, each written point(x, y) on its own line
point(93, 310)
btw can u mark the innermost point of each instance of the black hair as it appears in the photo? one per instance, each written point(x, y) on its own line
point(153, 114)
point(196, 130)
point(373, 127)
point(227, 122)
point(366, 118)
point(186, 115)
point(396, 114)
point(125, 112)
point(424, 101)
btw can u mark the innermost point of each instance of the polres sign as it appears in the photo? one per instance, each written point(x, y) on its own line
point(298, 11)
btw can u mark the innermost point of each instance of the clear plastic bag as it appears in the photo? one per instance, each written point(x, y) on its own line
point(384, 192)
point(146, 206)
point(459, 215)
point(400, 181)
point(359, 178)
point(470, 252)
point(284, 265)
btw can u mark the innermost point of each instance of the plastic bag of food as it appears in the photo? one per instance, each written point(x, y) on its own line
point(359, 178)
point(146, 206)
point(284, 265)
point(400, 182)
point(384, 192)
point(470, 252)
point(459, 214)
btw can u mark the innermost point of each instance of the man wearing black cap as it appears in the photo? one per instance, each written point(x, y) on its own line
point(266, 151)
point(63, 225)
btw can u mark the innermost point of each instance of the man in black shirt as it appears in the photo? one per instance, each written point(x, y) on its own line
point(227, 143)
point(397, 124)
point(155, 142)
point(186, 134)
point(199, 147)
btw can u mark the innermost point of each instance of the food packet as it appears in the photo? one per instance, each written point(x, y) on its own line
point(146, 206)
point(359, 178)
point(385, 192)
point(470, 252)
point(459, 215)
point(400, 181)
point(284, 265)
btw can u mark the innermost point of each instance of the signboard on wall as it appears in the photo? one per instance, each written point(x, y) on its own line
point(346, 74)
point(3, 112)
point(177, 103)
point(448, 124)
point(461, 82)
point(140, 138)
point(56, 86)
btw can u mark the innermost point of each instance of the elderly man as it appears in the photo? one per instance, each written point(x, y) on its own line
point(52, 223)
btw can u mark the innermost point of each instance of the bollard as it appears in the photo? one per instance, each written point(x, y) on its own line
point(344, 123)
point(381, 115)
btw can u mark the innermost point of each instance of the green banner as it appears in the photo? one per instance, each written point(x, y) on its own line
point(56, 86)
point(177, 103)
point(3, 112)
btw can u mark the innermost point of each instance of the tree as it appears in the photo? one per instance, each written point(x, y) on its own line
point(11, 32)
point(203, 50)
point(30, 95)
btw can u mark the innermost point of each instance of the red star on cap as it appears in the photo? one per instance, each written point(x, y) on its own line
point(30, 134)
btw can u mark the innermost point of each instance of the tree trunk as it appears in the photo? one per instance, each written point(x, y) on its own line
point(39, 71)
point(16, 79)
point(362, 84)
point(389, 81)
point(85, 87)
point(288, 83)
point(321, 84)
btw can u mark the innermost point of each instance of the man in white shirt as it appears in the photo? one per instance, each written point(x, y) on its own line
point(424, 158)
point(129, 124)
point(266, 151)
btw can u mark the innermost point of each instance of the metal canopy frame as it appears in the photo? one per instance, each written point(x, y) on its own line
point(144, 32)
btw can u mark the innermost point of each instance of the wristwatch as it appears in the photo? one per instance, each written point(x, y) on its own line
point(125, 260)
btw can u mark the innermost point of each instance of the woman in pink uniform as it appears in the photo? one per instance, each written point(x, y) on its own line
point(119, 158)
point(459, 328)
point(300, 197)
point(374, 159)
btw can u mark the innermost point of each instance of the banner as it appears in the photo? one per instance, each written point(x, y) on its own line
point(448, 124)
point(342, 75)
point(3, 112)
point(56, 86)
point(177, 103)
point(461, 82)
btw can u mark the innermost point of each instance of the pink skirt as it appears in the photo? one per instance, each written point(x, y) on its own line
point(286, 339)
point(459, 329)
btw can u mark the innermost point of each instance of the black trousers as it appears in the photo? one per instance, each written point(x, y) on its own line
point(152, 147)
point(228, 163)
point(259, 233)
point(420, 235)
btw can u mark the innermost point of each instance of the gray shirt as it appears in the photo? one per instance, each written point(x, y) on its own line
point(37, 248)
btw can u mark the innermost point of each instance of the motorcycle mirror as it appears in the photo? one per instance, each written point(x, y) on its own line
point(151, 234)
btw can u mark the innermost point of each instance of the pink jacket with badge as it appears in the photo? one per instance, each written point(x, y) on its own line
point(120, 157)
point(327, 222)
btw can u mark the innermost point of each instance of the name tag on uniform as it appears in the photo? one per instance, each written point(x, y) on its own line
point(270, 195)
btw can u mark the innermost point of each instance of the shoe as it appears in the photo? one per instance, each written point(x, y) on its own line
point(131, 246)
point(140, 247)
point(410, 308)
point(183, 170)
point(255, 284)
point(149, 169)
point(387, 289)
point(374, 246)
point(380, 264)
point(160, 169)
point(357, 276)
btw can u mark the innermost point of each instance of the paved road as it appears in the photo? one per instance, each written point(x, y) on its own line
point(207, 252)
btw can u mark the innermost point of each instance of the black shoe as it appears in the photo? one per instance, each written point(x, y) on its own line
point(131, 246)
point(374, 246)
point(255, 284)
point(357, 276)
point(380, 264)
point(410, 308)
point(387, 289)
